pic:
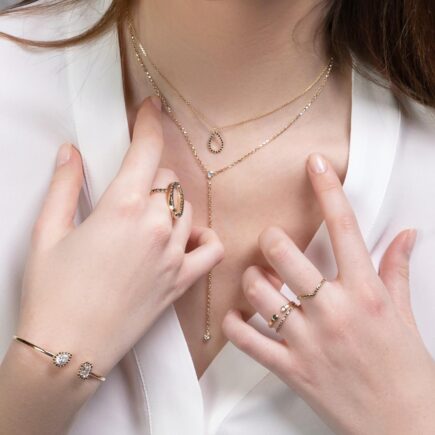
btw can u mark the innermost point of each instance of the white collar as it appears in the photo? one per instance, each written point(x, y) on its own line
point(168, 374)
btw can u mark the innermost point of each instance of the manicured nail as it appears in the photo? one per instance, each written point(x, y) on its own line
point(157, 102)
point(317, 163)
point(64, 154)
point(411, 235)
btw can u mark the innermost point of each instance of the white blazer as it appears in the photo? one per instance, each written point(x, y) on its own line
point(49, 97)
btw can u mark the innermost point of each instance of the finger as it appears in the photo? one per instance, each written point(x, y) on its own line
point(205, 252)
point(261, 294)
point(142, 159)
point(272, 354)
point(158, 200)
point(57, 213)
point(352, 257)
point(182, 227)
point(294, 268)
point(394, 272)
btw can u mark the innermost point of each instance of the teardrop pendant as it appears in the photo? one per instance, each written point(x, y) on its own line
point(215, 143)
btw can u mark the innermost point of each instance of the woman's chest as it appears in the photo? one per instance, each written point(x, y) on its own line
point(268, 188)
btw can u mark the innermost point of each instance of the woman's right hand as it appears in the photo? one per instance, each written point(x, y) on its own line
point(95, 289)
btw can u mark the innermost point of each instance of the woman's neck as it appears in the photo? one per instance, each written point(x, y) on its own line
point(218, 52)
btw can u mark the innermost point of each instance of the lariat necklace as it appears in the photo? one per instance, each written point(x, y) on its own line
point(215, 142)
point(209, 174)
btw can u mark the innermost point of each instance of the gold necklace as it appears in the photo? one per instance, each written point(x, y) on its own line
point(215, 142)
point(211, 174)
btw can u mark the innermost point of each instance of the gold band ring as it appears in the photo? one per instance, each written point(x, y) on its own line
point(284, 317)
point(288, 306)
point(61, 359)
point(310, 295)
point(174, 198)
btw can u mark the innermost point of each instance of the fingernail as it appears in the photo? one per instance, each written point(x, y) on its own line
point(317, 163)
point(157, 102)
point(411, 235)
point(64, 154)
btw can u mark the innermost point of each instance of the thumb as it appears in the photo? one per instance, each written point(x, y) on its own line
point(55, 219)
point(394, 272)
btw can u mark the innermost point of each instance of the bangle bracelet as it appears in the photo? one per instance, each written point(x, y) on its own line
point(61, 359)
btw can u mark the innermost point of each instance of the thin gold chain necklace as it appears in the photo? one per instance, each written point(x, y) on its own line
point(215, 142)
point(211, 174)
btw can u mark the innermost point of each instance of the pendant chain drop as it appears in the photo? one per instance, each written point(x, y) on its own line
point(207, 334)
point(209, 174)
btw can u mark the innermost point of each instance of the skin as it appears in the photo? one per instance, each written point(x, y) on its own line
point(353, 352)
point(247, 40)
point(110, 278)
point(229, 40)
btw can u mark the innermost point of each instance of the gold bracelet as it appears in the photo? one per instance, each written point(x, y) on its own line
point(61, 359)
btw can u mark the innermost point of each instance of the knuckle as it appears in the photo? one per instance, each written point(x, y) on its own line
point(161, 231)
point(253, 290)
point(279, 251)
point(373, 303)
point(130, 204)
point(60, 181)
point(328, 185)
point(403, 271)
point(345, 222)
point(167, 174)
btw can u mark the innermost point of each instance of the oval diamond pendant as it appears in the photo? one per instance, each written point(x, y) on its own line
point(215, 143)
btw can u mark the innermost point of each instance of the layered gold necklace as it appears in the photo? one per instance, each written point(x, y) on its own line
point(215, 142)
point(210, 174)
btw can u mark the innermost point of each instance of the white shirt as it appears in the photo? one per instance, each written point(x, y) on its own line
point(50, 97)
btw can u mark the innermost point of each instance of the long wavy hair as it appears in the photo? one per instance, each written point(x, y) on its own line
point(395, 38)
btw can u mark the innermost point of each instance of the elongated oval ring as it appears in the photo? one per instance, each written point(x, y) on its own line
point(174, 198)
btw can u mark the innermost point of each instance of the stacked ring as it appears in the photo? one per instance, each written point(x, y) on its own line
point(286, 308)
point(290, 306)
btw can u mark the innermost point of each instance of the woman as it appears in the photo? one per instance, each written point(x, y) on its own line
point(317, 218)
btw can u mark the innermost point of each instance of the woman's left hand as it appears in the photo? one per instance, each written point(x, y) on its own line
point(352, 351)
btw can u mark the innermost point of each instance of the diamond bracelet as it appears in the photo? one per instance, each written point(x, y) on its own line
point(61, 359)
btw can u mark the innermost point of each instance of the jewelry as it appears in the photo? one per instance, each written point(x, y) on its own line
point(61, 359)
point(174, 198)
point(215, 142)
point(273, 319)
point(310, 295)
point(284, 317)
point(283, 309)
point(210, 174)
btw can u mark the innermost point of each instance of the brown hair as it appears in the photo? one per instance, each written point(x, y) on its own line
point(396, 38)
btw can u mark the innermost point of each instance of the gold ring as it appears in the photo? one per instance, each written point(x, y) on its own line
point(174, 198)
point(288, 306)
point(310, 295)
point(284, 317)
